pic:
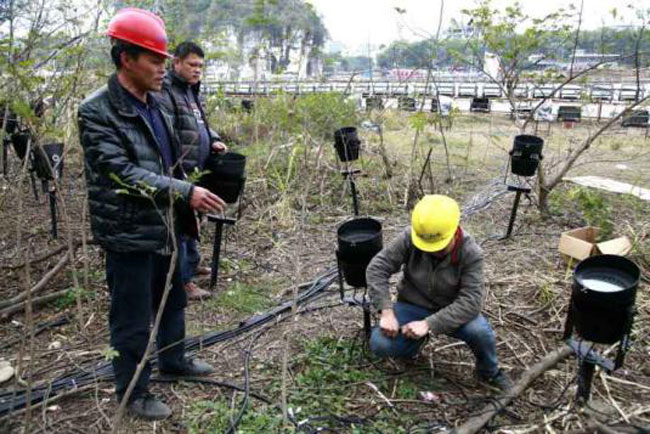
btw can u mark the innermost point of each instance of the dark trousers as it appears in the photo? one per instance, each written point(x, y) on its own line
point(136, 282)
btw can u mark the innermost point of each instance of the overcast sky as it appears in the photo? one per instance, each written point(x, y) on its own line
point(357, 22)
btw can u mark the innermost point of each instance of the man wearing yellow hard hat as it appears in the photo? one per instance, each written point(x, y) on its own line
point(441, 291)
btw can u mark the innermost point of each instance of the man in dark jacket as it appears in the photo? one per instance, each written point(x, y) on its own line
point(135, 190)
point(441, 291)
point(180, 96)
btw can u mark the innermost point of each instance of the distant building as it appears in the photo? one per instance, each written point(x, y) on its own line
point(583, 60)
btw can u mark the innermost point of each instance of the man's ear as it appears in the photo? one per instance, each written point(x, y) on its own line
point(126, 59)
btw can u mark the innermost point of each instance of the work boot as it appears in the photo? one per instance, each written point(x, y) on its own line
point(193, 368)
point(500, 381)
point(149, 407)
point(196, 293)
point(203, 271)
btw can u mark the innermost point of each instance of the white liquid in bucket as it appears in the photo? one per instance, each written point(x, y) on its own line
point(601, 285)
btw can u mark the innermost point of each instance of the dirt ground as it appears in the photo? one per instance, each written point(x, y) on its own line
point(315, 360)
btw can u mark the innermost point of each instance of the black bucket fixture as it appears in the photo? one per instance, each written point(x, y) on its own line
point(603, 297)
point(11, 122)
point(20, 140)
point(226, 175)
point(48, 161)
point(526, 154)
point(225, 178)
point(347, 143)
point(359, 240)
point(601, 311)
point(247, 105)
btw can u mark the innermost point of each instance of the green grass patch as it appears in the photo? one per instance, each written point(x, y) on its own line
point(243, 298)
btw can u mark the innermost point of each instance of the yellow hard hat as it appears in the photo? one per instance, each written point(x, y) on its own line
point(434, 222)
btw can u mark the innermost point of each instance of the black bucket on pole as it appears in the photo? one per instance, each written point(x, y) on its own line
point(603, 297)
point(526, 154)
point(359, 240)
point(225, 176)
point(19, 140)
point(51, 153)
point(346, 142)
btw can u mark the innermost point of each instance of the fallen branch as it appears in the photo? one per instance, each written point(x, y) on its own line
point(6, 313)
point(474, 424)
point(40, 285)
point(46, 255)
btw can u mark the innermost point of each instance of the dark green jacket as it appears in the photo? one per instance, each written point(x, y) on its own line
point(173, 98)
point(452, 288)
point(121, 155)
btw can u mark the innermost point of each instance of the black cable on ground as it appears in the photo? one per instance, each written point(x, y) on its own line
point(244, 405)
point(102, 370)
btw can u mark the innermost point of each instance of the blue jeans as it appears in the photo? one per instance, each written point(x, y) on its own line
point(189, 257)
point(477, 334)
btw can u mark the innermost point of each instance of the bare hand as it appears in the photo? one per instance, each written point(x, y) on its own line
point(219, 147)
point(416, 329)
point(204, 201)
point(388, 323)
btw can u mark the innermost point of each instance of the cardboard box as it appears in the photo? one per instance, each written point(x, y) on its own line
point(579, 244)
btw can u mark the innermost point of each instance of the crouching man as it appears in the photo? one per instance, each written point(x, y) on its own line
point(129, 148)
point(441, 291)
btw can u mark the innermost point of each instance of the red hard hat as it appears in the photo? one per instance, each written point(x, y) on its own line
point(139, 27)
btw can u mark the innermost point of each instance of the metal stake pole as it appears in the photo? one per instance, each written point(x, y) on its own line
point(33, 180)
point(349, 174)
point(52, 194)
point(515, 207)
point(216, 245)
point(585, 375)
point(355, 201)
point(513, 214)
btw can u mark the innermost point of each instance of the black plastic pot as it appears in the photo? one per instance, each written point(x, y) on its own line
point(480, 105)
point(526, 154)
point(603, 297)
point(247, 105)
point(347, 143)
point(52, 152)
point(406, 103)
point(225, 176)
point(569, 113)
point(19, 141)
point(359, 240)
point(12, 121)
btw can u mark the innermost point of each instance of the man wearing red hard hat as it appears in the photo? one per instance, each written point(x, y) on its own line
point(139, 201)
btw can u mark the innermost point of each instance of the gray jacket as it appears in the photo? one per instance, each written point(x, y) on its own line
point(452, 287)
point(173, 98)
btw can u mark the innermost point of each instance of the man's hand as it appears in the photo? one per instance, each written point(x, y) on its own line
point(416, 329)
point(388, 323)
point(219, 147)
point(204, 201)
